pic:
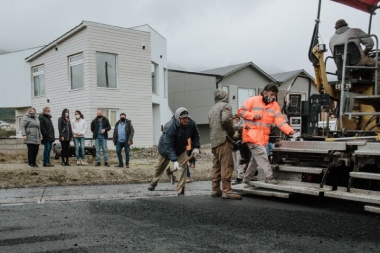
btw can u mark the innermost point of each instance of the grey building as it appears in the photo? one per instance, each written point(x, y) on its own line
point(194, 90)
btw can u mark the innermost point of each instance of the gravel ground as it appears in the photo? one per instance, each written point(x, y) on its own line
point(14, 172)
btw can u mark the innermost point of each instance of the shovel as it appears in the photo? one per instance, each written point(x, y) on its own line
point(171, 175)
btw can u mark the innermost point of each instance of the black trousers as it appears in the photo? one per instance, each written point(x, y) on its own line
point(65, 149)
point(32, 153)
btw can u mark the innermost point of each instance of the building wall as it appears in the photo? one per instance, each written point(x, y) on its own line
point(58, 94)
point(192, 91)
point(301, 85)
point(133, 94)
point(160, 103)
point(245, 78)
point(15, 79)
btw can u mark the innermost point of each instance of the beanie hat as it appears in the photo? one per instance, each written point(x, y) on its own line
point(340, 23)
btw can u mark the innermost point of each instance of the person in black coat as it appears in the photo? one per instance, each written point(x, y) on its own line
point(172, 147)
point(48, 135)
point(99, 128)
point(123, 138)
point(65, 136)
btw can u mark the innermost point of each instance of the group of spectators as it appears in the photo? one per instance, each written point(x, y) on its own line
point(41, 130)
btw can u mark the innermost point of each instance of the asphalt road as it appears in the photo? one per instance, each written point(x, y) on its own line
point(195, 223)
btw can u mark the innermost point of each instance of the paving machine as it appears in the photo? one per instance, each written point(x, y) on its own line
point(337, 154)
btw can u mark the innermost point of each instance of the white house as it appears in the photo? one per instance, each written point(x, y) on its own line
point(95, 66)
point(15, 79)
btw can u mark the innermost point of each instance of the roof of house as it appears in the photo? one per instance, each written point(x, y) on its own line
point(68, 34)
point(192, 72)
point(228, 70)
point(286, 76)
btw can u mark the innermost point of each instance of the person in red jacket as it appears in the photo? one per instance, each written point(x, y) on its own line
point(259, 113)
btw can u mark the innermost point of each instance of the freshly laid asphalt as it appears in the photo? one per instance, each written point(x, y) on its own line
point(129, 218)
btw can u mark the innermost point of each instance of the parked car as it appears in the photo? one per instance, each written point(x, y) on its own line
point(89, 149)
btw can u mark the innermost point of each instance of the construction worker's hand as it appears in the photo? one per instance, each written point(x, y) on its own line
point(257, 116)
point(176, 165)
point(195, 152)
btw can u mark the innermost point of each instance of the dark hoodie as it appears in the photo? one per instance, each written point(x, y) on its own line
point(174, 137)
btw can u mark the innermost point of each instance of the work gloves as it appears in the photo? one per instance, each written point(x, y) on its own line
point(176, 165)
point(195, 152)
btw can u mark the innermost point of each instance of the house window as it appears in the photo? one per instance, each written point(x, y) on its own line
point(38, 81)
point(106, 70)
point(154, 70)
point(111, 115)
point(243, 94)
point(165, 83)
point(76, 71)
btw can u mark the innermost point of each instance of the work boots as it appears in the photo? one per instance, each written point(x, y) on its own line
point(230, 195)
point(216, 193)
point(270, 180)
point(227, 192)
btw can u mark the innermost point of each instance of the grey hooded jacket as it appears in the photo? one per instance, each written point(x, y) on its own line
point(220, 119)
point(343, 33)
point(173, 140)
point(30, 127)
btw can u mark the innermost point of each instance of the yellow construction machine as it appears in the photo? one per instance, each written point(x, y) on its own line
point(337, 154)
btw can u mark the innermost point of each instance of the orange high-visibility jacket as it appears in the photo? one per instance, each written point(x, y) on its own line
point(188, 147)
point(257, 131)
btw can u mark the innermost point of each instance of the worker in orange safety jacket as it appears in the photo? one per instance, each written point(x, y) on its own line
point(259, 113)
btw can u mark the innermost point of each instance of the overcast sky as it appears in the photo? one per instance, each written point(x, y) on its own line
point(201, 34)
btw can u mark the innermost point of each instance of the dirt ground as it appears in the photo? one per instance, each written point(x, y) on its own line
point(14, 172)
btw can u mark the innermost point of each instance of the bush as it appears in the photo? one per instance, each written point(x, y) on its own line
point(4, 134)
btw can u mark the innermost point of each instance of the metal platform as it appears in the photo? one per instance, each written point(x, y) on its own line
point(372, 209)
point(298, 169)
point(287, 187)
point(370, 148)
point(365, 175)
point(355, 195)
point(319, 147)
point(245, 189)
point(284, 189)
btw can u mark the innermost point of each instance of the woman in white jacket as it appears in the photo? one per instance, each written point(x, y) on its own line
point(79, 127)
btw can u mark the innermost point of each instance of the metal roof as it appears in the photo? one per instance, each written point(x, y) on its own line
point(228, 70)
point(286, 76)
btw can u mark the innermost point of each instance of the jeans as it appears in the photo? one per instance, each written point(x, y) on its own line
point(47, 150)
point(188, 174)
point(269, 147)
point(100, 142)
point(79, 145)
point(119, 147)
